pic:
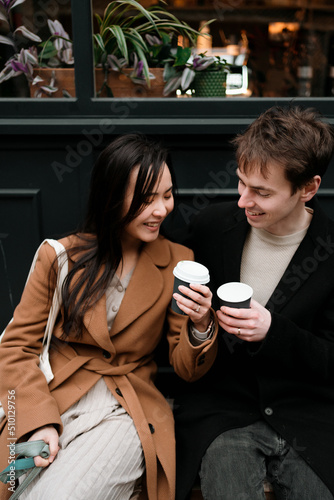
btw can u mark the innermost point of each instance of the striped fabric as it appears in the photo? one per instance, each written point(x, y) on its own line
point(100, 457)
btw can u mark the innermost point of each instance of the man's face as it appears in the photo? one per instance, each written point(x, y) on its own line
point(269, 203)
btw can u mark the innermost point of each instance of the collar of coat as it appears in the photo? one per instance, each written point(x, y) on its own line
point(144, 290)
point(317, 246)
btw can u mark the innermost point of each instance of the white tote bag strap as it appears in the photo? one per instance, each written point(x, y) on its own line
point(57, 296)
point(44, 362)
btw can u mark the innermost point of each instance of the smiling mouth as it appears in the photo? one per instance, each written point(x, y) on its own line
point(152, 224)
point(253, 214)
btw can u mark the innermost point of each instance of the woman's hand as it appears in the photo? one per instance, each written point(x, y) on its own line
point(51, 437)
point(196, 304)
point(251, 324)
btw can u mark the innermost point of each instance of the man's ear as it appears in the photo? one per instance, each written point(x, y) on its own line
point(311, 188)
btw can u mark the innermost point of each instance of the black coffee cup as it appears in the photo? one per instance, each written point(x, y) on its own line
point(235, 294)
point(186, 272)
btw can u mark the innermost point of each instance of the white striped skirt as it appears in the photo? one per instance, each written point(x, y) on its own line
point(100, 454)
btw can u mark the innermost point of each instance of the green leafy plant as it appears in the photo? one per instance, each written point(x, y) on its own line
point(131, 36)
point(56, 51)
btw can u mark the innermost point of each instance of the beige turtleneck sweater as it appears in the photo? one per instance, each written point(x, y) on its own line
point(265, 257)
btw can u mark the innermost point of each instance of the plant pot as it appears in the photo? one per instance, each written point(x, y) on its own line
point(210, 84)
point(122, 86)
point(64, 81)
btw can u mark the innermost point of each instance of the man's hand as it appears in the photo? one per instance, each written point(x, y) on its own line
point(250, 324)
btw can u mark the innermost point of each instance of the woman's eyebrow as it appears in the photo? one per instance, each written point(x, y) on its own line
point(155, 193)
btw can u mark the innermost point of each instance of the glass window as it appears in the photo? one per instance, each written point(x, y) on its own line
point(36, 57)
point(275, 48)
point(288, 44)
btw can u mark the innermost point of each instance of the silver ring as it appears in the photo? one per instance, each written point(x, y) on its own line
point(238, 331)
point(197, 310)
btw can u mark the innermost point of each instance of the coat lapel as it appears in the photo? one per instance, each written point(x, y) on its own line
point(95, 320)
point(310, 253)
point(145, 287)
point(226, 247)
point(234, 241)
point(146, 284)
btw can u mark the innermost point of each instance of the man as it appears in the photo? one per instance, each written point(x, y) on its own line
point(265, 406)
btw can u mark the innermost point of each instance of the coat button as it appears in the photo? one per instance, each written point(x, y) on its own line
point(268, 411)
point(106, 354)
point(119, 392)
point(152, 429)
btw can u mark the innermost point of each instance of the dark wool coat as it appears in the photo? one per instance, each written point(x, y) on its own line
point(124, 356)
point(286, 380)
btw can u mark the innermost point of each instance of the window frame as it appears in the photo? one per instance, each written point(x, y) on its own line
point(151, 115)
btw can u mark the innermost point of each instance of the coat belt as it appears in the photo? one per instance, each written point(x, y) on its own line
point(96, 365)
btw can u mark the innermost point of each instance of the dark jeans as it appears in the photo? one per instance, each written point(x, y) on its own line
point(236, 463)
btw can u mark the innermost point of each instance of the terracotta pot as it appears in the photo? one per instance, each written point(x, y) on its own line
point(64, 80)
point(122, 86)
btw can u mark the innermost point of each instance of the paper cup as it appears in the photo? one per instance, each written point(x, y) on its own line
point(186, 272)
point(235, 294)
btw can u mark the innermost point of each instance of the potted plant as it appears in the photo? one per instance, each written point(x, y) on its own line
point(132, 42)
point(204, 75)
point(39, 60)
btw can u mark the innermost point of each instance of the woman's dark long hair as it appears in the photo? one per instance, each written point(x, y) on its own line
point(100, 252)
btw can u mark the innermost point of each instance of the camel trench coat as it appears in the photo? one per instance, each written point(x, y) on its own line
point(123, 356)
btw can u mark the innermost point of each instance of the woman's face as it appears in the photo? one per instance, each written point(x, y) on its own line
point(146, 226)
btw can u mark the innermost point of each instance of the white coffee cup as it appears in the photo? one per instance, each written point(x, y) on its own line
point(186, 272)
point(235, 294)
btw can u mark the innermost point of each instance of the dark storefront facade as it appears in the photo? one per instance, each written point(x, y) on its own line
point(48, 145)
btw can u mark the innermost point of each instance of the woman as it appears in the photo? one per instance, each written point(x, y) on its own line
point(108, 428)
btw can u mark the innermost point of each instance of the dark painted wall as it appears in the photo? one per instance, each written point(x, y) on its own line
point(44, 186)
